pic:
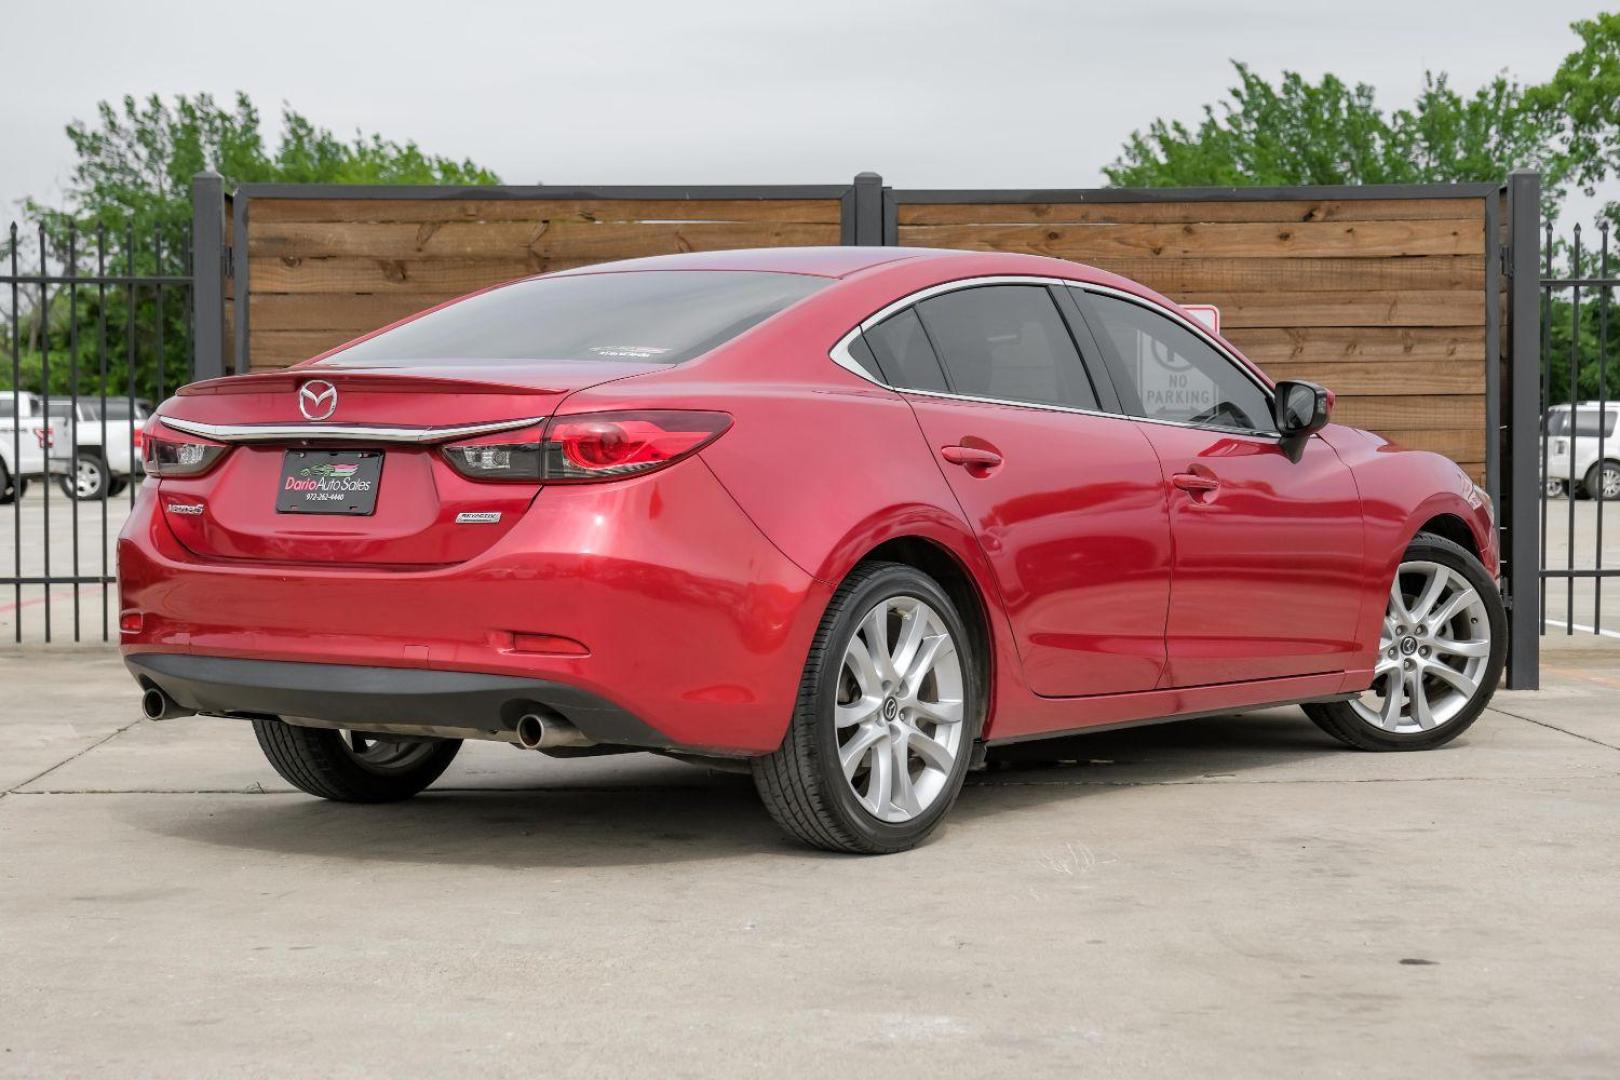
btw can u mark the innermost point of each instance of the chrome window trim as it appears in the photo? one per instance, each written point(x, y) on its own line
point(840, 354)
point(419, 436)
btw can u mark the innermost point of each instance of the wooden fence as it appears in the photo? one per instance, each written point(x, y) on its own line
point(1378, 293)
point(1381, 299)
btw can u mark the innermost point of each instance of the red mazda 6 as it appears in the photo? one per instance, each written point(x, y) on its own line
point(843, 516)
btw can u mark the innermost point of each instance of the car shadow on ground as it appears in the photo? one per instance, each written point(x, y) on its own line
point(645, 813)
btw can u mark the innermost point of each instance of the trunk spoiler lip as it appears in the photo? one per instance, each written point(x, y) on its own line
point(318, 432)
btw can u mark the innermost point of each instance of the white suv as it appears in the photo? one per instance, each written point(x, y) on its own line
point(1584, 446)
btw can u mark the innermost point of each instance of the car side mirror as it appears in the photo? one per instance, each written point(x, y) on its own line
point(1300, 409)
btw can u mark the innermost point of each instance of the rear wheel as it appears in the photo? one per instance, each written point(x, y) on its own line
point(89, 479)
point(1440, 655)
point(1603, 477)
point(349, 766)
point(888, 711)
point(11, 490)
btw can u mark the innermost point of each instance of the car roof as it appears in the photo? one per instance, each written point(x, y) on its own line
point(839, 262)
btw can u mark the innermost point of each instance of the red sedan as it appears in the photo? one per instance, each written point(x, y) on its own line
point(846, 516)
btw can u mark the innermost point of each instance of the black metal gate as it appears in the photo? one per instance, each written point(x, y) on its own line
point(100, 329)
point(1580, 433)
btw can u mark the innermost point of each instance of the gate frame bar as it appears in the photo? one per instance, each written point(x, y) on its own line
point(1521, 536)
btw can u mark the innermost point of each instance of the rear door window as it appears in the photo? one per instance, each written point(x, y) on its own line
point(1007, 343)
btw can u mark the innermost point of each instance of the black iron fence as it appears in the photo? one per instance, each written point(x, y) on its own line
point(99, 328)
point(1580, 432)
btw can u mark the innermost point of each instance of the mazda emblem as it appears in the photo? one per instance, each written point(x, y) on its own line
point(317, 399)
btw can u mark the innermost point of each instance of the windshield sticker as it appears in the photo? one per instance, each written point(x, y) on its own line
point(629, 352)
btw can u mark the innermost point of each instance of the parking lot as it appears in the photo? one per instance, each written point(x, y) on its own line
point(1207, 898)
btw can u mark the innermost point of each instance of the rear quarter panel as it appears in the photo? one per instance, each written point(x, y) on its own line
point(827, 465)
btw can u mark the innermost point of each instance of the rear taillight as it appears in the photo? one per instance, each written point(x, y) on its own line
point(605, 446)
point(172, 453)
point(506, 456)
point(590, 447)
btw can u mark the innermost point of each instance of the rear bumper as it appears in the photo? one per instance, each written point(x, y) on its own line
point(484, 706)
point(683, 616)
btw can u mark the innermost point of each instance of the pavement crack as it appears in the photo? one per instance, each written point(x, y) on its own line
point(1554, 727)
point(16, 788)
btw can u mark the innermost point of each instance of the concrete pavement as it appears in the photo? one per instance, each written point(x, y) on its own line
point(1225, 897)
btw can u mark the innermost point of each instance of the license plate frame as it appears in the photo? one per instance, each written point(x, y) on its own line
point(338, 483)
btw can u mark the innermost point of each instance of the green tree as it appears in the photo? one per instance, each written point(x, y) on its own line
point(128, 208)
point(1581, 103)
point(1330, 132)
point(135, 164)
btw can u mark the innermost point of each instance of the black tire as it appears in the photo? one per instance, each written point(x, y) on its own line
point(1339, 720)
point(10, 492)
point(319, 761)
point(1594, 479)
point(802, 783)
point(91, 463)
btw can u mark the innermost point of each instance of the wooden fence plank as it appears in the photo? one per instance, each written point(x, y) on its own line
point(357, 274)
point(1174, 277)
point(1326, 345)
point(1280, 210)
point(1170, 276)
point(355, 314)
point(1416, 413)
point(1458, 444)
point(1384, 378)
point(1088, 242)
point(1412, 307)
point(278, 348)
point(552, 240)
point(813, 211)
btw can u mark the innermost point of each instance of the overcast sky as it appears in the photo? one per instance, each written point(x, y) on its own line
point(931, 93)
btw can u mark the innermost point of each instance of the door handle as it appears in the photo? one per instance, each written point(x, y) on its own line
point(1195, 483)
point(973, 457)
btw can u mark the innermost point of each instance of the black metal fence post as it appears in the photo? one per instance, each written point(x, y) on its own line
point(208, 275)
point(868, 210)
point(1522, 487)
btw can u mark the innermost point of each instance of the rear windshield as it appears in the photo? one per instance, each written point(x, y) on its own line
point(646, 316)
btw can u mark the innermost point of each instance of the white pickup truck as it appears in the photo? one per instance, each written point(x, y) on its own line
point(22, 445)
point(91, 457)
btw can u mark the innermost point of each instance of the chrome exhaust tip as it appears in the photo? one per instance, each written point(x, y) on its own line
point(537, 731)
point(156, 705)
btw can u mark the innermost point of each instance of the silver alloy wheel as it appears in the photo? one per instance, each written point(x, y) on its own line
point(1609, 480)
point(899, 709)
point(1432, 653)
point(87, 477)
point(384, 755)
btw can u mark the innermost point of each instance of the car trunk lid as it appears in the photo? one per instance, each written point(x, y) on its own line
point(377, 430)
